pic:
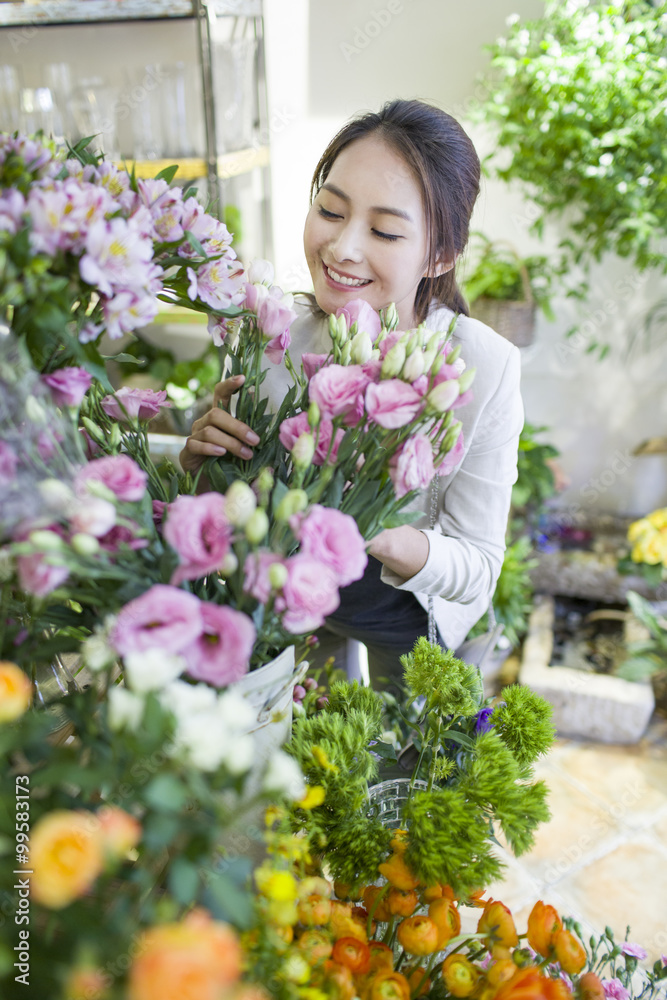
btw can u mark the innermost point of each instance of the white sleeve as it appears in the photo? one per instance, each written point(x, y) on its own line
point(467, 546)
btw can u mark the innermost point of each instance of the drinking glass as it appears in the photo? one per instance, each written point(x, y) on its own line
point(94, 111)
point(10, 98)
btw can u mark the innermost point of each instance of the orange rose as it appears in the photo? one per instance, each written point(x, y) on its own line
point(401, 903)
point(498, 924)
point(15, 691)
point(389, 986)
point(353, 954)
point(419, 935)
point(570, 953)
point(316, 946)
point(397, 872)
point(197, 957)
point(590, 987)
point(66, 854)
point(343, 924)
point(543, 923)
point(120, 832)
point(446, 917)
point(314, 910)
point(419, 981)
point(379, 909)
point(459, 974)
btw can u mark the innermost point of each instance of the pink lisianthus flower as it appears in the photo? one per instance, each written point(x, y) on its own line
point(119, 473)
point(292, 428)
point(159, 507)
point(92, 516)
point(68, 385)
point(8, 464)
point(372, 369)
point(275, 314)
point(276, 347)
point(256, 581)
point(336, 389)
point(392, 403)
point(122, 534)
point(127, 403)
point(615, 990)
point(452, 458)
point(411, 467)
point(48, 440)
point(389, 341)
point(161, 618)
point(309, 595)
point(312, 363)
point(634, 950)
point(12, 208)
point(37, 577)
point(332, 537)
point(116, 256)
point(198, 531)
point(360, 312)
point(218, 283)
point(221, 653)
point(462, 399)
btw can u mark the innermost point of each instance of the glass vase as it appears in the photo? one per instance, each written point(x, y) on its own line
point(51, 682)
point(387, 800)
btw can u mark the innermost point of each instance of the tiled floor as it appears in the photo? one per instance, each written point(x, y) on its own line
point(602, 858)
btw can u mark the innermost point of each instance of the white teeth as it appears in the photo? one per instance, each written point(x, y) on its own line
point(342, 280)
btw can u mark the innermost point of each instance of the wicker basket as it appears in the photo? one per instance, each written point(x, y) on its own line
point(514, 320)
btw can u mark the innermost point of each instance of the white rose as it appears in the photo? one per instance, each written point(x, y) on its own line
point(126, 709)
point(151, 669)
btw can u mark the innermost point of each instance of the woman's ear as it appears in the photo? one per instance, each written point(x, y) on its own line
point(439, 268)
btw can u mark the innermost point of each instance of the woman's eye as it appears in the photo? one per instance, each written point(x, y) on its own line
point(326, 214)
point(384, 236)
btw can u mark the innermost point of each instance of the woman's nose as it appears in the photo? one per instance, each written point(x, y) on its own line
point(347, 245)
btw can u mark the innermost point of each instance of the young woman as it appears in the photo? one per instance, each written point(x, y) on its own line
point(391, 203)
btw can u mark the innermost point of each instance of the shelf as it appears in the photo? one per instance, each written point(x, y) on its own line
point(241, 161)
point(90, 11)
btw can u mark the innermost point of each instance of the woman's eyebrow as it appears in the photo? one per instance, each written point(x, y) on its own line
point(381, 209)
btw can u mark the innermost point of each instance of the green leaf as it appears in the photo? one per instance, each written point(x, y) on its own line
point(167, 174)
point(183, 880)
point(166, 793)
point(385, 750)
point(227, 901)
point(461, 738)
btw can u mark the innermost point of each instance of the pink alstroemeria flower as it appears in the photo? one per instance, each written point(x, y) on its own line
point(140, 404)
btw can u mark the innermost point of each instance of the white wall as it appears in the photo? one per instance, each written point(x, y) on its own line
point(354, 55)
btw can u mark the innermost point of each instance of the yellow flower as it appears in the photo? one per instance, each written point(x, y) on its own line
point(67, 855)
point(638, 528)
point(296, 969)
point(460, 975)
point(281, 887)
point(322, 759)
point(311, 993)
point(15, 691)
point(658, 519)
point(314, 796)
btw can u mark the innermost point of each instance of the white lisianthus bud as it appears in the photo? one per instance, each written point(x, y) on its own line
point(278, 575)
point(413, 367)
point(393, 362)
point(293, 502)
point(93, 515)
point(126, 709)
point(229, 564)
point(314, 414)
point(390, 316)
point(6, 565)
point(56, 495)
point(429, 357)
point(423, 334)
point(450, 439)
point(98, 489)
point(466, 379)
point(341, 325)
point(257, 526)
point(345, 353)
point(442, 396)
point(411, 342)
point(96, 651)
point(151, 669)
point(265, 480)
point(46, 541)
point(333, 328)
point(240, 502)
point(361, 348)
point(84, 544)
point(438, 362)
point(303, 450)
point(375, 355)
point(94, 431)
point(115, 439)
point(260, 272)
point(287, 300)
point(35, 412)
point(453, 355)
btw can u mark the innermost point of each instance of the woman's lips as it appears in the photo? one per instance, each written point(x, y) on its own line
point(343, 281)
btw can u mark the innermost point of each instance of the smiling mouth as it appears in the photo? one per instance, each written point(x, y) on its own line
point(342, 279)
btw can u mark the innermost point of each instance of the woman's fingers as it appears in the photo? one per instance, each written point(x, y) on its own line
point(217, 431)
point(224, 390)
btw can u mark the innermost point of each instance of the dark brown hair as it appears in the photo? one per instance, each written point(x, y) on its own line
point(446, 166)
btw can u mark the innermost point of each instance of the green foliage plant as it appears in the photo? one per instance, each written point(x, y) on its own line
point(500, 273)
point(578, 99)
point(648, 657)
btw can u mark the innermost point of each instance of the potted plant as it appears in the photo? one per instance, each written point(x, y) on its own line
point(505, 290)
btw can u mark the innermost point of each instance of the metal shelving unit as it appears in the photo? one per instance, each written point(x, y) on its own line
point(214, 167)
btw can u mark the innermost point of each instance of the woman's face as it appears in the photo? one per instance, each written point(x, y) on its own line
point(365, 234)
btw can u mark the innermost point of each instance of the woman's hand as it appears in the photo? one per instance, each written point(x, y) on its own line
point(403, 550)
point(218, 432)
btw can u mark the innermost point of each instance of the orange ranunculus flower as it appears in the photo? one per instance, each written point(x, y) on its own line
point(475, 898)
point(284, 932)
point(397, 872)
point(66, 855)
point(445, 915)
point(399, 841)
point(86, 982)
point(380, 910)
point(343, 924)
point(401, 903)
point(570, 953)
point(352, 953)
point(556, 989)
point(525, 984)
point(459, 974)
point(119, 830)
point(543, 923)
point(339, 979)
point(196, 957)
point(15, 691)
point(315, 945)
point(433, 892)
point(500, 972)
point(313, 885)
point(389, 986)
point(381, 956)
point(314, 911)
point(360, 914)
point(419, 935)
point(590, 987)
point(498, 924)
point(344, 890)
point(418, 979)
